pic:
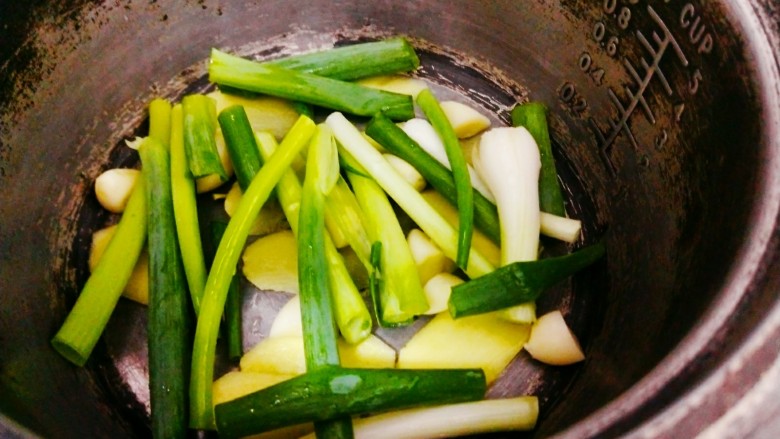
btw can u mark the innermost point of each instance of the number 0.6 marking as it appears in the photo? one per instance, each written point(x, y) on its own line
point(611, 43)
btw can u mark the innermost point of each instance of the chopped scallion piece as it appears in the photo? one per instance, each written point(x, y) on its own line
point(185, 211)
point(86, 321)
point(228, 253)
point(460, 173)
point(200, 124)
point(325, 92)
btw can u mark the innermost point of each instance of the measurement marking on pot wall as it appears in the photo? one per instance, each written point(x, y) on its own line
point(656, 46)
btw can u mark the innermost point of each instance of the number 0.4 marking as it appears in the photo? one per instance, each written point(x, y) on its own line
point(586, 66)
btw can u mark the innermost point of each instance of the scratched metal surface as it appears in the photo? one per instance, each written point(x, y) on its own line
point(664, 123)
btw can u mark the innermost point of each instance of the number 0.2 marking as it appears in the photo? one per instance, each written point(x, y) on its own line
point(572, 98)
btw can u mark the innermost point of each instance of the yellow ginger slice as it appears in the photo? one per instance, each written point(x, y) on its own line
point(236, 384)
point(465, 121)
point(284, 355)
point(483, 341)
point(271, 262)
point(265, 113)
point(395, 84)
point(428, 257)
point(479, 240)
point(137, 288)
point(270, 219)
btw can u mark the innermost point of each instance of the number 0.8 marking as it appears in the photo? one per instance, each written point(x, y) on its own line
point(624, 18)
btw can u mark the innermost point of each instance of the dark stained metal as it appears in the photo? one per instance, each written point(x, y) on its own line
point(666, 126)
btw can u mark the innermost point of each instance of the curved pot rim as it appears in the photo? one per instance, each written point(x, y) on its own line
point(646, 406)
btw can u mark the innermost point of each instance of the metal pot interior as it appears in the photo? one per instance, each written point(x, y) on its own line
point(660, 131)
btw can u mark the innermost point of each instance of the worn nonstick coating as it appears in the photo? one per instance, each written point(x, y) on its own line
point(685, 193)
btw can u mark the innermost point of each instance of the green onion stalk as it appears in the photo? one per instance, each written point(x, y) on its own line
point(352, 316)
point(460, 173)
point(185, 211)
point(306, 87)
point(400, 293)
point(225, 261)
point(407, 198)
point(169, 327)
point(317, 315)
point(86, 321)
